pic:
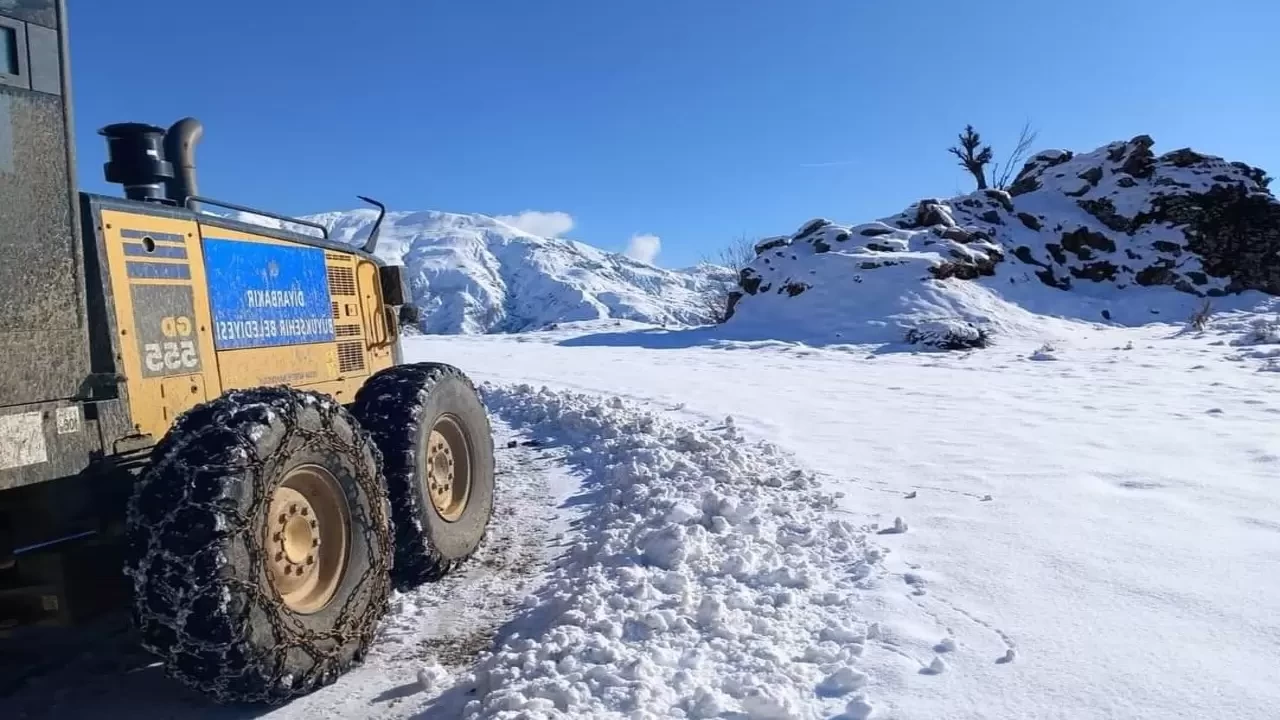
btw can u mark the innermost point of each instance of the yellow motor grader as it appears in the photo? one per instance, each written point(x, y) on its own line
point(205, 420)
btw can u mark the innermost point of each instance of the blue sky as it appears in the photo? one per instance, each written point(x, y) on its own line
point(695, 122)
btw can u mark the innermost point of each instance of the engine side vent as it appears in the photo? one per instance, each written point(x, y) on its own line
point(342, 280)
point(350, 356)
point(333, 257)
point(347, 331)
point(336, 311)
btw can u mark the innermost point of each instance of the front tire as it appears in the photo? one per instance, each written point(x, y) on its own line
point(259, 546)
point(437, 447)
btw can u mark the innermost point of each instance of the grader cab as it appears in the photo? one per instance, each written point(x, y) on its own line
point(204, 420)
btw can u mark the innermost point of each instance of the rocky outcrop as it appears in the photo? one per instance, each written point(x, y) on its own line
point(1120, 215)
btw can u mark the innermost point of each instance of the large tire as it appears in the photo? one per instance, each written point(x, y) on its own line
point(234, 494)
point(400, 406)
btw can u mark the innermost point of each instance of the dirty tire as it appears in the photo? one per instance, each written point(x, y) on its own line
point(198, 546)
point(399, 407)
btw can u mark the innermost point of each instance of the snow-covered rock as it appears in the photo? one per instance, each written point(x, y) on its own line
point(475, 274)
point(1097, 224)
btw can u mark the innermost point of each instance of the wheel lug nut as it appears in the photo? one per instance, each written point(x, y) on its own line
point(311, 559)
point(314, 523)
point(283, 518)
point(293, 509)
point(279, 556)
point(305, 511)
point(277, 537)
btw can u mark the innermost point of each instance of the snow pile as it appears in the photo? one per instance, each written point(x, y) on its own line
point(1094, 224)
point(707, 581)
point(475, 274)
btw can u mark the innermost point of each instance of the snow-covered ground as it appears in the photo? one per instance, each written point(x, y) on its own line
point(693, 527)
point(1106, 509)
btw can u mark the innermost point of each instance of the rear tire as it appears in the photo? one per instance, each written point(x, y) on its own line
point(259, 546)
point(401, 407)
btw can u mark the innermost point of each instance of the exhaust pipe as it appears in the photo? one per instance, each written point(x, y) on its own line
point(180, 148)
point(135, 159)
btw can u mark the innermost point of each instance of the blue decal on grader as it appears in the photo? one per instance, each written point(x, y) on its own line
point(267, 295)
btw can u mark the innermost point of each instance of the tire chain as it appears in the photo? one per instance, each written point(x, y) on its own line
point(383, 405)
point(192, 615)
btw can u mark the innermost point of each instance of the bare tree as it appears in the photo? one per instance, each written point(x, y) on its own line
point(973, 155)
point(737, 254)
point(1003, 175)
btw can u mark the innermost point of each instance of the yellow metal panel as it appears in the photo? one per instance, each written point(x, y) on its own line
point(375, 324)
point(162, 314)
point(294, 365)
point(344, 391)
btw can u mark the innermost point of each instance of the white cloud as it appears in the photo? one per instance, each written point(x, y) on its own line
point(643, 247)
point(537, 222)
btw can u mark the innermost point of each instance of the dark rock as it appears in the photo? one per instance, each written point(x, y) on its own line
point(1157, 274)
point(820, 246)
point(1166, 246)
point(1197, 277)
point(1181, 285)
point(992, 217)
point(1030, 220)
point(1171, 182)
point(1082, 242)
point(1140, 161)
point(1105, 211)
point(841, 237)
point(765, 287)
point(749, 280)
point(1000, 196)
point(772, 242)
point(957, 234)
point(1126, 181)
point(875, 231)
point(948, 336)
point(1223, 178)
point(971, 203)
point(734, 297)
point(1048, 278)
point(880, 247)
point(1106, 314)
point(1023, 253)
point(1132, 255)
point(1056, 251)
point(1096, 271)
point(932, 212)
point(1084, 189)
point(1182, 157)
point(1092, 175)
point(1235, 233)
point(794, 288)
point(811, 227)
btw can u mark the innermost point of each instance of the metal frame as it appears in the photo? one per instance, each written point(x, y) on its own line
point(23, 78)
point(193, 199)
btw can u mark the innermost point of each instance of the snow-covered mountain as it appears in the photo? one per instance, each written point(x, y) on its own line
point(475, 274)
point(1116, 235)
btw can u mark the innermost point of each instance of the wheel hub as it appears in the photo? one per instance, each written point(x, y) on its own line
point(448, 469)
point(307, 538)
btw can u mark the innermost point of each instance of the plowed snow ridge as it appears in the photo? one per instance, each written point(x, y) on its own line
point(707, 578)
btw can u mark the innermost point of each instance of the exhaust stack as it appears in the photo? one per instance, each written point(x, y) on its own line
point(180, 149)
point(135, 159)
